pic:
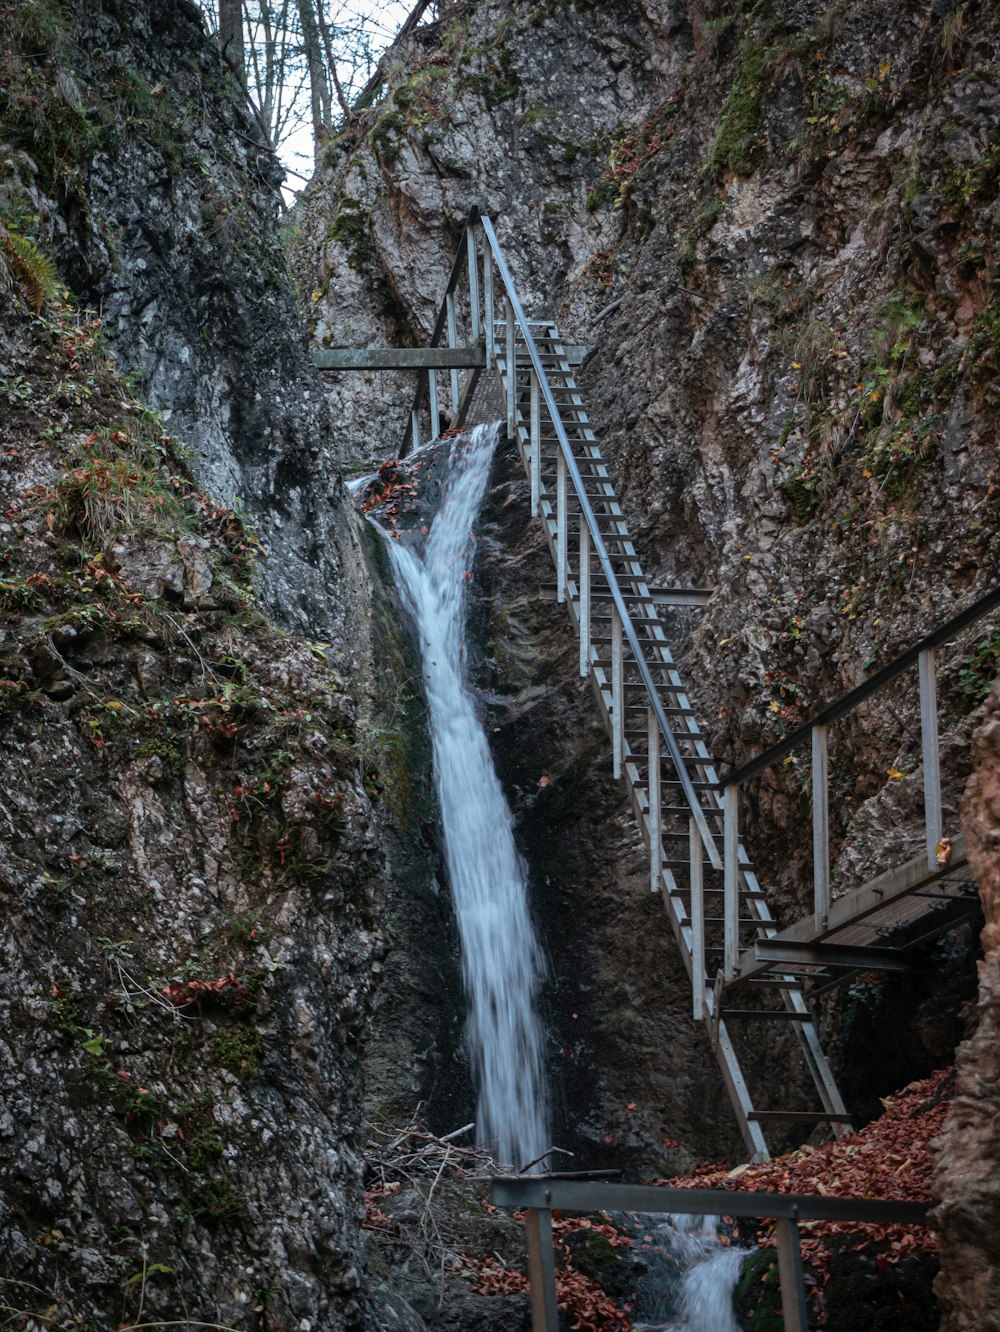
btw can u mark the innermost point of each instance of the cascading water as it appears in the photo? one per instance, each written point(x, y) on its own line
point(501, 960)
point(690, 1277)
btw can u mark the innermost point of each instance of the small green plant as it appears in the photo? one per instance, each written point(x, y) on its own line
point(952, 32)
point(969, 183)
point(352, 229)
point(99, 494)
point(385, 136)
point(65, 1010)
point(239, 1049)
point(978, 670)
point(92, 1044)
point(800, 487)
point(983, 351)
point(32, 271)
point(737, 142)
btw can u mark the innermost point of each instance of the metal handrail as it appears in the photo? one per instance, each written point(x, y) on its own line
point(849, 701)
point(509, 291)
point(597, 542)
point(538, 1195)
point(938, 849)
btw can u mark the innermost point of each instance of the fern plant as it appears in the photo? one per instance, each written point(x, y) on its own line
point(32, 270)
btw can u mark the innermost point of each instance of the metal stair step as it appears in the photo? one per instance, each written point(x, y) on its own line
point(799, 1116)
point(763, 1015)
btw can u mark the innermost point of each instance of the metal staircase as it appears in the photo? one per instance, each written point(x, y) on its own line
point(743, 969)
point(657, 746)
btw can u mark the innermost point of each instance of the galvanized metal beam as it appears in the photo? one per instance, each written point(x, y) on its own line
point(432, 402)
point(829, 955)
point(489, 327)
point(541, 1269)
point(511, 368)
point(470, 247)
point(595, 1196)
point(452, 342)
point(794, 1314)
point(562, 529)
point(731, 877)
point(535, 446)
point(697, 923)
point(398, 358)
point(653, 812)
point(584, 584)
point(617, 693)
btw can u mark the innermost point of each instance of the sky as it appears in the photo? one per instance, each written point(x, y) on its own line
point(383, 18)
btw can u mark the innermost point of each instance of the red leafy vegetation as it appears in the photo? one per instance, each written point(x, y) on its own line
point(393, 491)
point(632, 152)
point(585, 1302)
point(888, 1159)
point(227, 990)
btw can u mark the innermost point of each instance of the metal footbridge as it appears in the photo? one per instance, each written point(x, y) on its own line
point(745, 969)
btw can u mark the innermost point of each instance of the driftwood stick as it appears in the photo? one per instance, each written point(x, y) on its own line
point(457, 1133)
point(538, 1159)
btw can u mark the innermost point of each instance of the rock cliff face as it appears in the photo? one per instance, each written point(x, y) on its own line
point(190, 876)
point(167, 223)
point(777, 228)
point(969, 1289)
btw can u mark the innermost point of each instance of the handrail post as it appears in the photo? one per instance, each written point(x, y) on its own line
point(697, 923)
point(511, 374)
point(820, 827)
point(584, 598)
point(562, 523)
point(470, 245)
point(541, 1269)
point(930, 745)
point(432, 403)
point(617, 692)
point(794, 1313)
point(653, 756)
point(415, 427)
point(452, 342)
point(535, 446)
point(488, 308)
point(731, 881)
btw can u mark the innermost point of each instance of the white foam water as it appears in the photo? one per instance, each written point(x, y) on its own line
point(501, 961)
point(691, 1277)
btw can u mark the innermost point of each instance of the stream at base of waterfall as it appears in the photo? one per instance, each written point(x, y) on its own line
point(501, 961)
point(690, 1274)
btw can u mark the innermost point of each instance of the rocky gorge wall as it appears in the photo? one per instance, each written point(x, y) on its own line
point(189, 865)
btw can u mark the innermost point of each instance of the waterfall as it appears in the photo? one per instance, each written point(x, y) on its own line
point(501, 960)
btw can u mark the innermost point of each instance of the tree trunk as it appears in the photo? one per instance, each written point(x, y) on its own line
point(319, 83)
point(231, 34)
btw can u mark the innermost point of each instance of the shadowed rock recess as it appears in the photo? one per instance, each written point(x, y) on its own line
point(229, 961)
